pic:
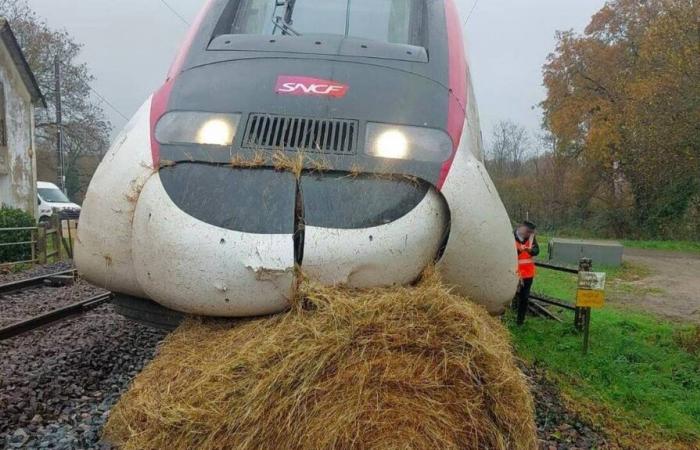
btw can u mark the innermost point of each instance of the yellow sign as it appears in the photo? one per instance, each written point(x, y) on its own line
point(586, 298)
point(591, 290)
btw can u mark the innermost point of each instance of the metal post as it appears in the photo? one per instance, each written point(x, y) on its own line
point(584, 314)
point(586, 329)
point(584, 265)
point(577, 319)
point(59, 126)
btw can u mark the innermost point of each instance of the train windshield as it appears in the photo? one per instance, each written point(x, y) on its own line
point(392, 21)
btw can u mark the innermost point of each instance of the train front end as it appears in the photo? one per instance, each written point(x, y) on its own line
point(338, 137)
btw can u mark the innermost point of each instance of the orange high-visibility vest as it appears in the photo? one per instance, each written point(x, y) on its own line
point(526, 265)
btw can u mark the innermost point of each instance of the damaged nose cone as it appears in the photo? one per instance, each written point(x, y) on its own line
point(386, 233)
point(195, 267)
point(227, 240)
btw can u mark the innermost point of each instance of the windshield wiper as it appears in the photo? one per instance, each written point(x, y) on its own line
point(285, 22)
point(279, 22)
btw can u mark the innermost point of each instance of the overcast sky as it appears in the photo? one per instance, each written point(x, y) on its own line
point(129, 45)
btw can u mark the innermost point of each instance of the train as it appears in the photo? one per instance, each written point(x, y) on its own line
point(336, 139)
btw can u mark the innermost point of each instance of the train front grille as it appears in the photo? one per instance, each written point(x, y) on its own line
point(275, 132)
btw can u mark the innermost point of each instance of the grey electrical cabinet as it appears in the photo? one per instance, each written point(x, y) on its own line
point(570, 251)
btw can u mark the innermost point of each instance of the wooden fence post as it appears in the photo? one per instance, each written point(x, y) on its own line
point(41, 243)
point(33, 237)
point(57, 241)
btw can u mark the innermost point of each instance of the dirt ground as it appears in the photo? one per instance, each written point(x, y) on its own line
point(672, 288)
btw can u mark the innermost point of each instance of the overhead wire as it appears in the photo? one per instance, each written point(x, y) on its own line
point(114, 108)
point(102, 97)
point(174, 11)
point(469, 16)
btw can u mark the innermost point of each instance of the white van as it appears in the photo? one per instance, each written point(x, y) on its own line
point(52, 199)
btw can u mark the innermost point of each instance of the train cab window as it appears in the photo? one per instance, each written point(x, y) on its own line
point(396, 22)
point(253, 16)
point(391, 21)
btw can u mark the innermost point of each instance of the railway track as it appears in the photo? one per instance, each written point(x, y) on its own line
point(48, 318)
point(28, 283)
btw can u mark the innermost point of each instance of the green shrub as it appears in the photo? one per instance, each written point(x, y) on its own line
point(15, 218)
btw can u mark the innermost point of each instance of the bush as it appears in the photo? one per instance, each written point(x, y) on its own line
point(15, 218)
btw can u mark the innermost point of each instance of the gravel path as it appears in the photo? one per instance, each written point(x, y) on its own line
point(673, 288)
point(58, 384)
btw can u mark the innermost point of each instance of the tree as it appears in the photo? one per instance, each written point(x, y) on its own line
point(85, 130)
point(533, 180)
point(624, 99)
point(509, 145)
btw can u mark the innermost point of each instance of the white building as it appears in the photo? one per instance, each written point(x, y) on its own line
point(19, 93)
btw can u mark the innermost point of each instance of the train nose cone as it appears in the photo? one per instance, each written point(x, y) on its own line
point(195, 250)
point(213, 240)
point(369, 231)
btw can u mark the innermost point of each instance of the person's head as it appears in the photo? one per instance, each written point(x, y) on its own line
point(526, 229)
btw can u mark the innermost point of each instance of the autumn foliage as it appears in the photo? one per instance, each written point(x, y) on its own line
point(623, 114)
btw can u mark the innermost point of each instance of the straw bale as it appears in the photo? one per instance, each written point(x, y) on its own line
point(407, 367)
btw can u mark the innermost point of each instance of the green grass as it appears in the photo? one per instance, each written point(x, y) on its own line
point(676, 246)
point(636, 371)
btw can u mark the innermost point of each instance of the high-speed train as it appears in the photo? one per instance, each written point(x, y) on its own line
point(339, 137)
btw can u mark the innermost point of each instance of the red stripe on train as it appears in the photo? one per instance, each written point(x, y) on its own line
point(457, 102)
point(161, 97)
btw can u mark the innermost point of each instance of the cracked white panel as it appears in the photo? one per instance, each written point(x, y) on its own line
point(392, 254)
point(193, 267)
point(480, 259)
point(103, 247)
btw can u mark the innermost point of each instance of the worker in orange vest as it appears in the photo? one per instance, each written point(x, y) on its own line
point(527, 248)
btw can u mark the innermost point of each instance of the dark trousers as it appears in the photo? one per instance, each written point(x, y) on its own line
point(524, 299)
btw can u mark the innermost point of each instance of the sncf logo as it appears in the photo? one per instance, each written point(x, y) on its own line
point(289, 85)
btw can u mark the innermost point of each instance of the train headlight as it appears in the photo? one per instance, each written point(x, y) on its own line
point(404, 142)
point(391, 144)
point(181, 127)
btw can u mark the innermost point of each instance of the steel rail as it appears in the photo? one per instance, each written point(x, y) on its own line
point(540, 310)
point(54, 316)
point(30, 282)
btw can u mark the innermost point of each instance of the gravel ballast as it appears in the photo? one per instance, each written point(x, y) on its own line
point(58, 384)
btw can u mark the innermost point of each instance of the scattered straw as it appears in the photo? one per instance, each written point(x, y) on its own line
point(257, 160)
point(293, 163)
point(415, 368)
point(134, 192)
point(318, 163)
point(355, 171)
